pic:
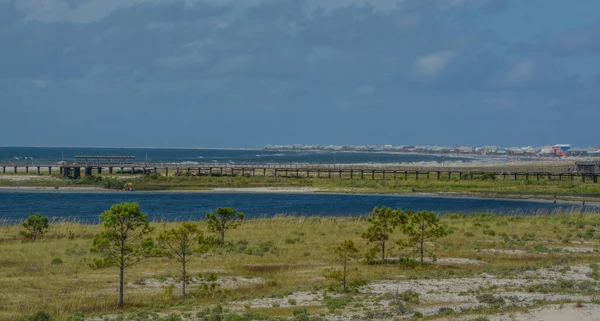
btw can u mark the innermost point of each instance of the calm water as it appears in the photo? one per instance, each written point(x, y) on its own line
point(179, 206)
point(33, 154)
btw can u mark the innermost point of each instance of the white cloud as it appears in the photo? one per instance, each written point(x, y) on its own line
point(522, 72)
point(382, 5)
point(39, 84)
point(84, 12)
point(365, 90)
point(88, 11)
point(431, 65)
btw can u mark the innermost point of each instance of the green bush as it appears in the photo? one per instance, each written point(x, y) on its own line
point(489, 232)
point(488, 176)
point(57, 261)
point(301, 315)
point(337, 303)
point(40, 316)
point(410, 296)
point(77, 316)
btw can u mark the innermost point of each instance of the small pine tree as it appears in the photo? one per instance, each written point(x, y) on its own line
point(123, 242)
point(421, 228)
point(383, 222)
point(344, 253)
point(35, 226)
point(179, 243)
point(222, 220)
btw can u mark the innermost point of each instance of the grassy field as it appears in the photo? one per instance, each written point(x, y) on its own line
point(499, 187)
point(273, 268)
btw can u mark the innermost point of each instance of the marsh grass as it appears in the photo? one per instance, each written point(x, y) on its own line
point(31, 280)
point(545, 187)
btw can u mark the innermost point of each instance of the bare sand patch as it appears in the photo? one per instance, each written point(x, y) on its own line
point(512, 252)
point(572, 249)
point(265, 190)
point(21, 178)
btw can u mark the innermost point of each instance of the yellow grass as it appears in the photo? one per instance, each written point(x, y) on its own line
point(301, 250)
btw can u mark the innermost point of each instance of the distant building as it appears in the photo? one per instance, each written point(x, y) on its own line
point(464, 149)
point(576, 151)
point(547, 151)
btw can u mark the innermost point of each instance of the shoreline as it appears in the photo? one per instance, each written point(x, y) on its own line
point(573, 200)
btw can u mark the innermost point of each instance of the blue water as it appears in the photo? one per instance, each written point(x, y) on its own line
point(42, 154)
point(15, 205)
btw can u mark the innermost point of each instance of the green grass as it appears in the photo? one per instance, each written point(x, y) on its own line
point(508, 187)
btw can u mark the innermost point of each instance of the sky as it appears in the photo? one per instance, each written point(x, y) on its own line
point(245, 73)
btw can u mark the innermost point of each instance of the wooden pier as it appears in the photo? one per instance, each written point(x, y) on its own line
point(125, 167)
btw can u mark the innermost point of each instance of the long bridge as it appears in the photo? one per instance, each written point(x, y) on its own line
point(126, 165)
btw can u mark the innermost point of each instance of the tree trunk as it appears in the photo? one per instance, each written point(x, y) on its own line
point(345, 264)
point(422, 244)
point(121, 277)
point(223, 237)
point(382, 250)
point(184, 278)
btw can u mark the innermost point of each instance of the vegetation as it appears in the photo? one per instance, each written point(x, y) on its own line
point(35, 226)
point(222, 220)
point(484, 185)
point(122, 243)
point(344, 252)
point(421, 228)
point(178, 243)
point(383, 221)
point(262, 276)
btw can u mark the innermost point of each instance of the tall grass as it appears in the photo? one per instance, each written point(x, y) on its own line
point(287, 253)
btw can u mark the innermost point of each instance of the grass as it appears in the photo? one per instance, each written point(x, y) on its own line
point(56, 275)
point(544, 188)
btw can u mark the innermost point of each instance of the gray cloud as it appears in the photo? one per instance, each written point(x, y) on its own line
point(267, 58)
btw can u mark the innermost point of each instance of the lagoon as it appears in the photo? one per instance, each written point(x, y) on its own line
point(173, 206)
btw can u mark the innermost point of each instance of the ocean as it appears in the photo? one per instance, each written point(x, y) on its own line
point(256, 156)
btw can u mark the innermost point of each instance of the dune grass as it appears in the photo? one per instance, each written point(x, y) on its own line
point(499, 187)
point(284, 255)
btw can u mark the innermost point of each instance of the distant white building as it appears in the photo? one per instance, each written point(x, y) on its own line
point(464, 149)
point(547, 151)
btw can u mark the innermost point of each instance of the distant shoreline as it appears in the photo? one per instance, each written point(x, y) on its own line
point(283, 190)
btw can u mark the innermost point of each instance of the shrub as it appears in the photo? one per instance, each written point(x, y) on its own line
point(40, 316)
point(489, 232)
point(57, 261)
point(488, 176)
point(337, 303)
point(445, 311)
point(410, 297)
point(78, 316)
point(528, 237)
point(469, 234)
point(35, 226)
point(491, 300)
point(301, 315)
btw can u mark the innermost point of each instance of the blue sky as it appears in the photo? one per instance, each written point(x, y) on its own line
point(244, 73)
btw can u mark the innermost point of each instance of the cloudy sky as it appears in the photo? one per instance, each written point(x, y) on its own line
point(244, 73)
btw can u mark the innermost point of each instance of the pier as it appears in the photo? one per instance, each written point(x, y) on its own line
point(126, 165)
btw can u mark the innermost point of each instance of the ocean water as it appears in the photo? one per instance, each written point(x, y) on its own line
point(190, 156)
point(87, 206)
